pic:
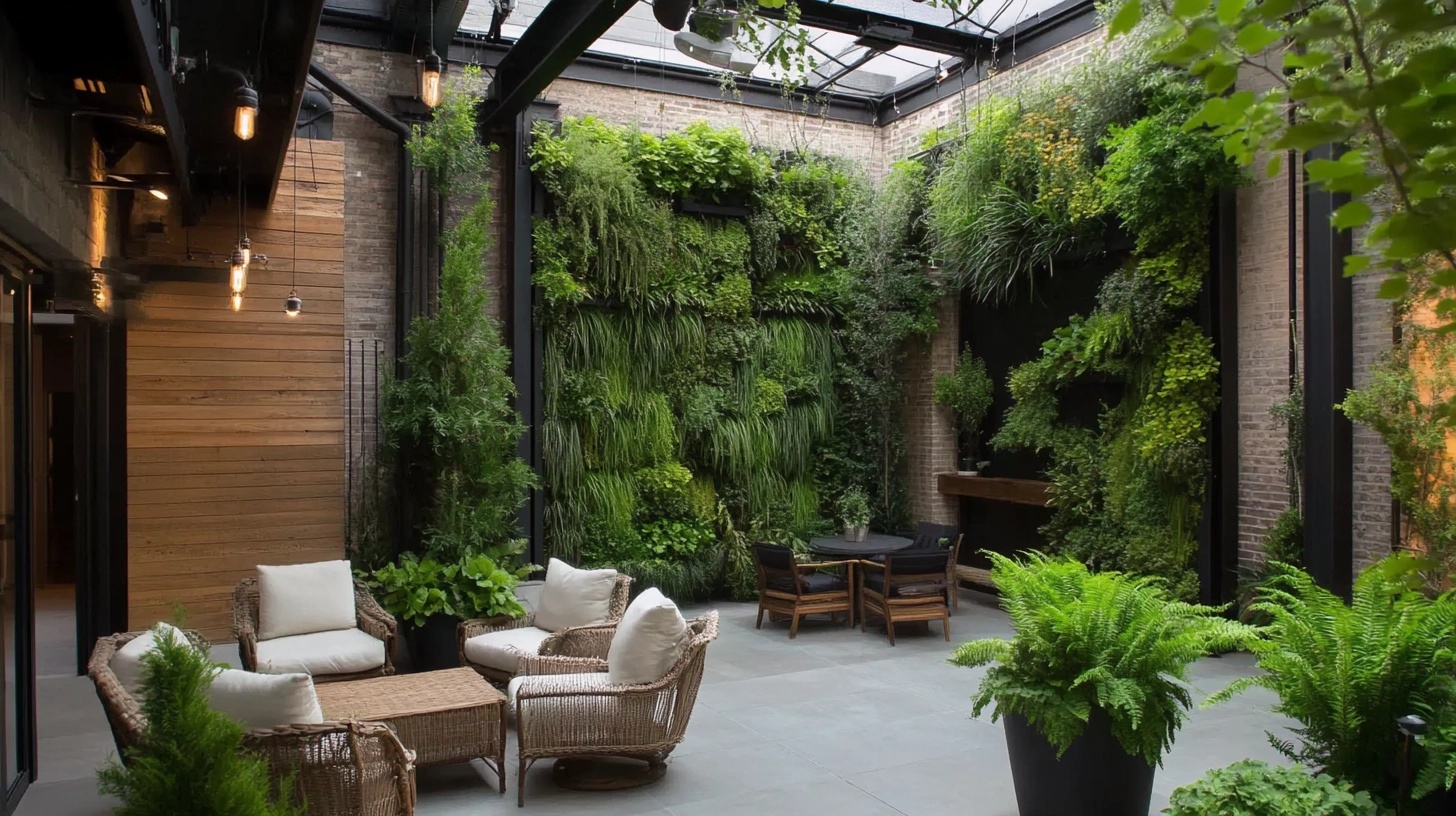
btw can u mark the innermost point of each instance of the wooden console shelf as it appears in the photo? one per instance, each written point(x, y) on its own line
point(994, 488)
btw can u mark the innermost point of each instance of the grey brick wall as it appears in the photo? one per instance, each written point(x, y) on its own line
point(39, 211)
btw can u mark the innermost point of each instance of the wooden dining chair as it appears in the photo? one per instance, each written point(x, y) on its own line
point(913, 584)
point(792, 589)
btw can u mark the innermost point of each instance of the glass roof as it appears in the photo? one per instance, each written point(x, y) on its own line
point(838, 64)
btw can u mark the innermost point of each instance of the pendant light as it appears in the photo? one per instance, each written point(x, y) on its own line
point(243, 252)
point(245, 112)
point(430, 76)
point(293, 304)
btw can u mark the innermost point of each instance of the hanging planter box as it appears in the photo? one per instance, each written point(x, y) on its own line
point(737, 208)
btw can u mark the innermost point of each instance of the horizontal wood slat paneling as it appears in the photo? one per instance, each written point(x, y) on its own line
point(235, 420)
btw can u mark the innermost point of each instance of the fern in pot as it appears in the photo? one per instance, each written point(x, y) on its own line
point(1092, 688)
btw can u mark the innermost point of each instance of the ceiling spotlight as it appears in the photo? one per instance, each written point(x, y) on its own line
point(159, 194)
point(245, 116)
point(941, 72)
point(293, 304)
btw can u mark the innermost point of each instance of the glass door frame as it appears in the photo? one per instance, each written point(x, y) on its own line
point(18, 286)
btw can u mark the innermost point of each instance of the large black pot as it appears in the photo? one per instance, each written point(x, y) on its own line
point(433, 646)
point(1095, 777)
point(672, 14)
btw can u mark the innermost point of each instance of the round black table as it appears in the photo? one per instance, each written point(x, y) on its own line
point(874, 544)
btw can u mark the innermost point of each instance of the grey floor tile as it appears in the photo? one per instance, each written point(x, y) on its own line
point(731, 773)
point(895, 743)
point(837, 798)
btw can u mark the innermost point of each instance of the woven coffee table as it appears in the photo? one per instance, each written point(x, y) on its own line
point(443, 716)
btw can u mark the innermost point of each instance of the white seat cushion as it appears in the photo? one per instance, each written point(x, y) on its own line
point(301, 598)
point(571, 682)
point(126, 664)
point(648, 641)
point(265, 700)
point(346, 651)
point(574, 597)
point(501, 650)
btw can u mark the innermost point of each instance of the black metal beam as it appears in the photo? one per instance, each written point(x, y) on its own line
point(846, 19)
point(147, 37)
point(1218, 555)
point(562, 32)
point(1328, 371)
point(311, 13)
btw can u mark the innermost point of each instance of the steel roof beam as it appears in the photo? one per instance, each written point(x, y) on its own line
point(849, 20)
point(145, 31)
point(563, 31)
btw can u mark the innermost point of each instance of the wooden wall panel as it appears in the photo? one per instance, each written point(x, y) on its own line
point(235, 420)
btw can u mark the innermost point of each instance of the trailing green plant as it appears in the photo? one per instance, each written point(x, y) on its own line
point(1253, 788)
point(450, 423)
point(968, 392)
point(1407, 401)
point(190, 758)
point(1345, 672)
point(1283, 544)
point(854, 508)
point(1094, 640)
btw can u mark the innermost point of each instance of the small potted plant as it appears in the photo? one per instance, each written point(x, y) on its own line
point(854, 512)
point(1092, 687)
point(430, 598)
point(968, 392)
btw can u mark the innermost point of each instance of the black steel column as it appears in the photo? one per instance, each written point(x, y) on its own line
point(24, 495)
point(521, 331)
point(1218, 550)
point(1328, 364)
point(115, 476)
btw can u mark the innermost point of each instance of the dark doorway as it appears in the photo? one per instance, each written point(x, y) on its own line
point(53, 350)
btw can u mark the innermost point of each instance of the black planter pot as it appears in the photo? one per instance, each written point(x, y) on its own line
point(672, 14)
point(433, 646)
point(1095, 777)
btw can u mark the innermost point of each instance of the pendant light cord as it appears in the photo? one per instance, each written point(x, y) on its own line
point(294, 287)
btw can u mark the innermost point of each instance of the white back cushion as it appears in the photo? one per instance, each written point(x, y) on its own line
point(302, 598)
point(126, 664)
point(648, 642)
point(574, 597)
point(265, 700)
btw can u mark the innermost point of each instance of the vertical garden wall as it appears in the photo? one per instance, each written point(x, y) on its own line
point(1075, 178)
point(721, 345)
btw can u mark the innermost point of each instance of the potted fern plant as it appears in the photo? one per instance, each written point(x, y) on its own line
point(1092, 687)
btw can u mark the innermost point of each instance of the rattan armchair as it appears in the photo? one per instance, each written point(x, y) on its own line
point(372, 620)
point(590, 641)
point(339, 768)
point(565, 707)
point(793, 590)
point(910, 585)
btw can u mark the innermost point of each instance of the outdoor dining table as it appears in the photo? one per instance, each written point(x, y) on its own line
point(873, 545)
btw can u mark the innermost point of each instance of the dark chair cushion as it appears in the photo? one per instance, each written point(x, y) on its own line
point(773, 556)
point(813, 583)
point(931, 535)
point(920, 561)
point(875, 582)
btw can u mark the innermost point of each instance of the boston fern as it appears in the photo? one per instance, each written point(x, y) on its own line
point(1346, 672)
point(1087, 640)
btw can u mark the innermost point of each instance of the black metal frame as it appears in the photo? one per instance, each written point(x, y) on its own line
point(562, 32)
point(22, 474)
point(1328, 376)
point(1218, 545)
point(145, 30)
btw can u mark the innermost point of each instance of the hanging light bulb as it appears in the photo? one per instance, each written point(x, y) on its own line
point(293, 304)
point(245, 246)
point(245, 116)
point(430, 80)
point(238, 272)
point(237, 298)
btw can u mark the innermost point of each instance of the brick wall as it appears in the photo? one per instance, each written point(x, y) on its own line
point(1372, 513)
point(40, 149)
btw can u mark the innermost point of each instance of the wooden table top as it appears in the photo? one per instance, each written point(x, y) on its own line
point(405, 695)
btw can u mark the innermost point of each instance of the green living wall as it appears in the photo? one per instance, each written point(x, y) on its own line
point(1099, 164)
point(708, 379)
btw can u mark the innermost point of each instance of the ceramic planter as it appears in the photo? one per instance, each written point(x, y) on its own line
point(856, 533)
point(1095, 777)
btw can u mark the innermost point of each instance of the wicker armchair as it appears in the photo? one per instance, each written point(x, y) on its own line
point(909, 585)
point(339, 768)
point(372, 620)
point(564, 706)
point(793, 590)
point(589, 641)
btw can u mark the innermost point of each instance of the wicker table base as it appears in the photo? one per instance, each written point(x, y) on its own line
point(589, 773)
point(443, 716)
